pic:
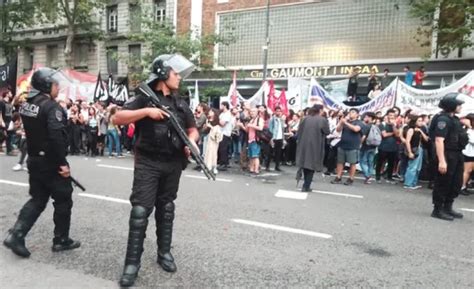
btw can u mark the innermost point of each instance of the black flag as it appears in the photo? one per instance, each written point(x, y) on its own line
point(8, 76)
point(100, 93)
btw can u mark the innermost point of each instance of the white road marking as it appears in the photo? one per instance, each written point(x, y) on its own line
point(291, 195)
point(281, 228)
point(187, 175)
point(467, 210)
point(338, 194)
point(464, 260)
point(110, 199)
point(205, 178)
point(115, 167)
point(14, 183)
point(269, 175)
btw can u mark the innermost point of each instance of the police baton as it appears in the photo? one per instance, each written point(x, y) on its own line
point(77, 184)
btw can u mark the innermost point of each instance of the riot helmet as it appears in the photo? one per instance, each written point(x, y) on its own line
point(43, 79)
point(450, 102)
point(161, 66)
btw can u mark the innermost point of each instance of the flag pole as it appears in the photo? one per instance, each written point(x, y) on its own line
point(265, 47)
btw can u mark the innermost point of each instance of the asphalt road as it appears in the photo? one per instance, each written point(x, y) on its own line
point(242, 231)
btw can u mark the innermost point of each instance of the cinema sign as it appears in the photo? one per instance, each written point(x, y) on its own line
point(312, 71)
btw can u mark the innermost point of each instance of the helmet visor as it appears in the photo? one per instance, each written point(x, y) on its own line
point(180, 65)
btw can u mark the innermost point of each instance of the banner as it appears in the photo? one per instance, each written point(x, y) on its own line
point(383, 102)
point(8, 76)
point(297, 94)
point(194, 101)
point(426, 101)
point(101, 93)
point(338, 89)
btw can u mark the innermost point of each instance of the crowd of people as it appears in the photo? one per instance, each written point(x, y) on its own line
point(394, 146)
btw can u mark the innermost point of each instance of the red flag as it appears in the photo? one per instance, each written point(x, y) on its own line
point(271, 95)
point(234, 97)
point(283, 102)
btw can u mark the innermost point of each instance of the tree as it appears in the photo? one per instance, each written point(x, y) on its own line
point(14, 15)
point(79, 16)
point(159, 37)
point(450, 21)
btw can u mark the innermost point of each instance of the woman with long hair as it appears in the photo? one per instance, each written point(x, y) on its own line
point(92, 132)
point(413, 151)
point(214, 137)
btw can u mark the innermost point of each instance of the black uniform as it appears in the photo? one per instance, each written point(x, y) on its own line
point(47, 143)
point(448, 186)
point(159, 161)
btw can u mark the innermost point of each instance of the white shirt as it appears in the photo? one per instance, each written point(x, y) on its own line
point(469, 149)
point(227, 118)
point(278, 128)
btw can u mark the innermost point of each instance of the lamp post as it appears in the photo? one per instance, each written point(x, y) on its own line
point(265, 47)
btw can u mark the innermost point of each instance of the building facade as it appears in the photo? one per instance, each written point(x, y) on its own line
point(307, 38)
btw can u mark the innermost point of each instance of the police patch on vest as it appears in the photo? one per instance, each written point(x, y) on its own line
point(441, 124)
point(29, 110)
point(59, 115)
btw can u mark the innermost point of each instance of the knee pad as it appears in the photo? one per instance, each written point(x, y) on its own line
point(139, 216)
point(35, 205)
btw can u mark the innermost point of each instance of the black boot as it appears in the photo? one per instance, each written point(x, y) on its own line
point(136, 235)
point(64, 244)
point(164, 230)
point(15, 239)
point(439, 213)
point(448, 209)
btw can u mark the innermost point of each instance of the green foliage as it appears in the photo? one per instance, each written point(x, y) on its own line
point(160, 38)
point(210, 92)
point(14, 15)
point(451, 20)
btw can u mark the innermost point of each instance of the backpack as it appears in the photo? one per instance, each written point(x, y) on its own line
point(374, 138)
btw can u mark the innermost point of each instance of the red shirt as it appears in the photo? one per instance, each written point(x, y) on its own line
point(419, 77)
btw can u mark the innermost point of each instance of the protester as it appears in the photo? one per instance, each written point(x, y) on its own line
point(20, 131)
point(376, 91)
point(311, 142)
point(293, 126)
point(419, 77)
point(408, 76)
point(367, 150)
point(92, 132)
point(75, 121)
point(255, 124)
point(236, 145)
point(225, 121)
point(348, 151)
point(214, 137)
point(372, 81)
point(276, 127)
point(468, 153)
point(385, 80)
point(414, 151)
point(353, 84)
point(388, 149)
point(113, 134)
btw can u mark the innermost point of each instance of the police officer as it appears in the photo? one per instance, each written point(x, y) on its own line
point(449, 139)
point(160, 156)
point(49, 174)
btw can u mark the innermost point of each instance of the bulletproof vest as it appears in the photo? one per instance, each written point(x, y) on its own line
point(456, 139)
point(159, 137)
point(34, 115)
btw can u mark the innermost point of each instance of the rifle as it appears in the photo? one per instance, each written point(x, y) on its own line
point(77, 184)
point(145, 89)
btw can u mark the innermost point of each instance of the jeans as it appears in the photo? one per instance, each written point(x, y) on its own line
point(236, 147)
point(413, 169)
point(383, 156)
point(367, 162)
point(113, 137)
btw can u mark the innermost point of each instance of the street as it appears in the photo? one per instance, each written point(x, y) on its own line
point(242, 231)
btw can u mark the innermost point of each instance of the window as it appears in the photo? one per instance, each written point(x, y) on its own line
point(28, 59)
point(160, 10)
point(52, 56)
point(81, 56)
point(135, 16)
point(112, 17)
point(134, 58)
point(112, 62)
